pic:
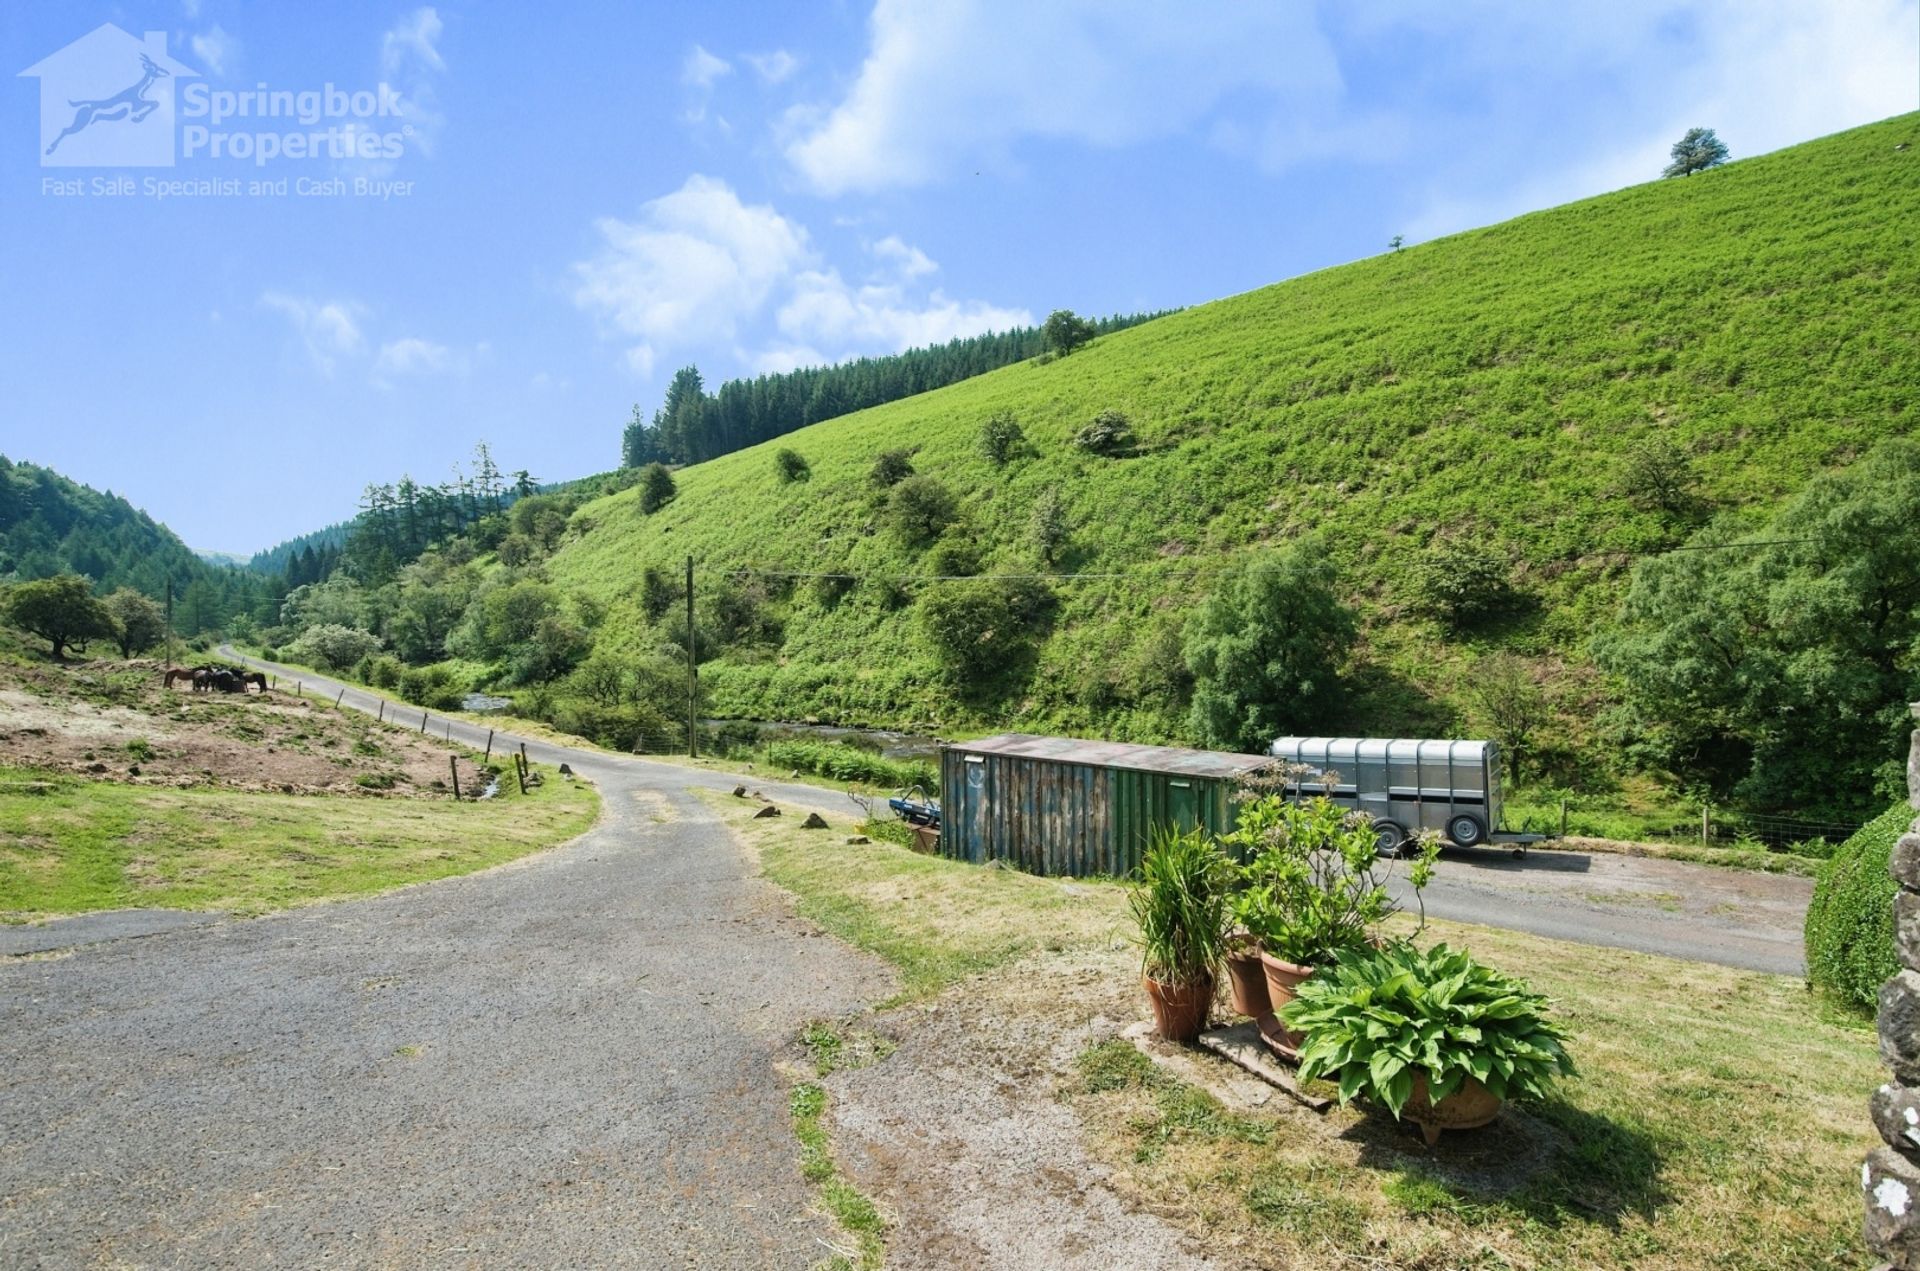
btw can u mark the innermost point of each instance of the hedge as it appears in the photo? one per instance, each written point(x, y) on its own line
point(1849, 932)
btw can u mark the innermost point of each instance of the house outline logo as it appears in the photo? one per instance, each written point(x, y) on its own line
point(107, 100)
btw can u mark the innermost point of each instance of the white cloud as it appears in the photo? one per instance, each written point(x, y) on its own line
point(410, 60)
point(777, 359)
point(774, 67)
point(701, 68)
point(699, 266)
point(690, 268)
point(906, 260)
point(825, 310)
point(413, 42)
point(950, 84)
point(411, 355)
point(328, 330)
point(215, 49)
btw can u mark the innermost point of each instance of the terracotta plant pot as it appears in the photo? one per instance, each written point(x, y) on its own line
point(1247, 978)
point(1469, 1107)
point(1282, 979)
point(1179, 1010)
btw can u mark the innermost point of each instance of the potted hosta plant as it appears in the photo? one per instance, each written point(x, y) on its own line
point(1180, 906)
point(1434, 1037)
point(1314, 888)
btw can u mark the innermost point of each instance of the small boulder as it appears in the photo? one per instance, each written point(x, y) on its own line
point(739, 792)
point(1890, 1186)
point(1906, 927)
point(1906, 861)
point(96, 767)
point(1896, 1114)
point(767, 811)
point(1900, 1027)
point(858, 838)
point(814, 821)
point(566, 770)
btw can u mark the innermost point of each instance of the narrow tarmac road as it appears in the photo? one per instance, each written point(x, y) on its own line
point(567, 1060)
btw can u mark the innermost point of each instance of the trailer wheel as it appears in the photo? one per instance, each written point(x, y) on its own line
point(1465, 830)
point(1388, 838)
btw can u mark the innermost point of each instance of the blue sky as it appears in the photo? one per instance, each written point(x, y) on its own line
point(595, 194)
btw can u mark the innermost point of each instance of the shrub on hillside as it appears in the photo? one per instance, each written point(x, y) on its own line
point(656, 488)
point(956, 555)
point(332, 647)
point(791, 466)
point(659, 592)
point(1001, 438)
point(1849, 931)
point(891, 468)
point(919, 509)
point(979, 627)
point(1107, 433)
point(1265, 651)
point(1047, 527)
point(431, 687)
point(1459, 584)
point(379, 671)
point(830, 589)
point(1657, 474)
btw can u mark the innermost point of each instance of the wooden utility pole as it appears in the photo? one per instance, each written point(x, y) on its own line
point(693, 746)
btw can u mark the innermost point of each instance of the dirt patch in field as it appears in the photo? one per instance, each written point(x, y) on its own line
point(962, 1137)
point(117, 721)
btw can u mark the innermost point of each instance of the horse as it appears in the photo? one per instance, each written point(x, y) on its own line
point(255, 678)
point(226, 681)
point(179, 673)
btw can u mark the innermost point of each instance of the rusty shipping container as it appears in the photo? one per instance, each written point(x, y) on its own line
point(1056, 805)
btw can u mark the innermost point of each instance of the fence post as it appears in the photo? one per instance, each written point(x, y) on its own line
point(449, 730)
point(382, 717)
point(338, 698)
point(1706, 823)
point(423, 721)
point(489, 754)
point(296, 689)
point(1563, 817)
point(453, 766)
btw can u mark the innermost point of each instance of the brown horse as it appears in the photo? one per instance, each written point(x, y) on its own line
point(254, 678)
point(192, 675)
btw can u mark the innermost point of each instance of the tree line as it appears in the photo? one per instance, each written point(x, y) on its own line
point(693, 425)
point(51, 526)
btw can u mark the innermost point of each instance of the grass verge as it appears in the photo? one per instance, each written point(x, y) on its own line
point(856, 1214)
point(71, 846)
point(1717, 1121)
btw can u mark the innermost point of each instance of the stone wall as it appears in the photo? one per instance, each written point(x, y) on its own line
point(1890, 1179)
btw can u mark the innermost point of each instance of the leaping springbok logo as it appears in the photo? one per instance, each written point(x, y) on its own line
point(131, 104)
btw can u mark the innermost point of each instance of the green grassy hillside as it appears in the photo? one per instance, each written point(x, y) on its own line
point(1483, 389)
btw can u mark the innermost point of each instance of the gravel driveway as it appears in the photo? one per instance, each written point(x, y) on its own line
point(563, 1061)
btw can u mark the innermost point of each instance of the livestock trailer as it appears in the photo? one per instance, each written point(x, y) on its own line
point(1406, 786)
point(1056, 805)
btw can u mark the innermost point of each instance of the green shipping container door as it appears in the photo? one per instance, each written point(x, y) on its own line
point(1059, 806)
